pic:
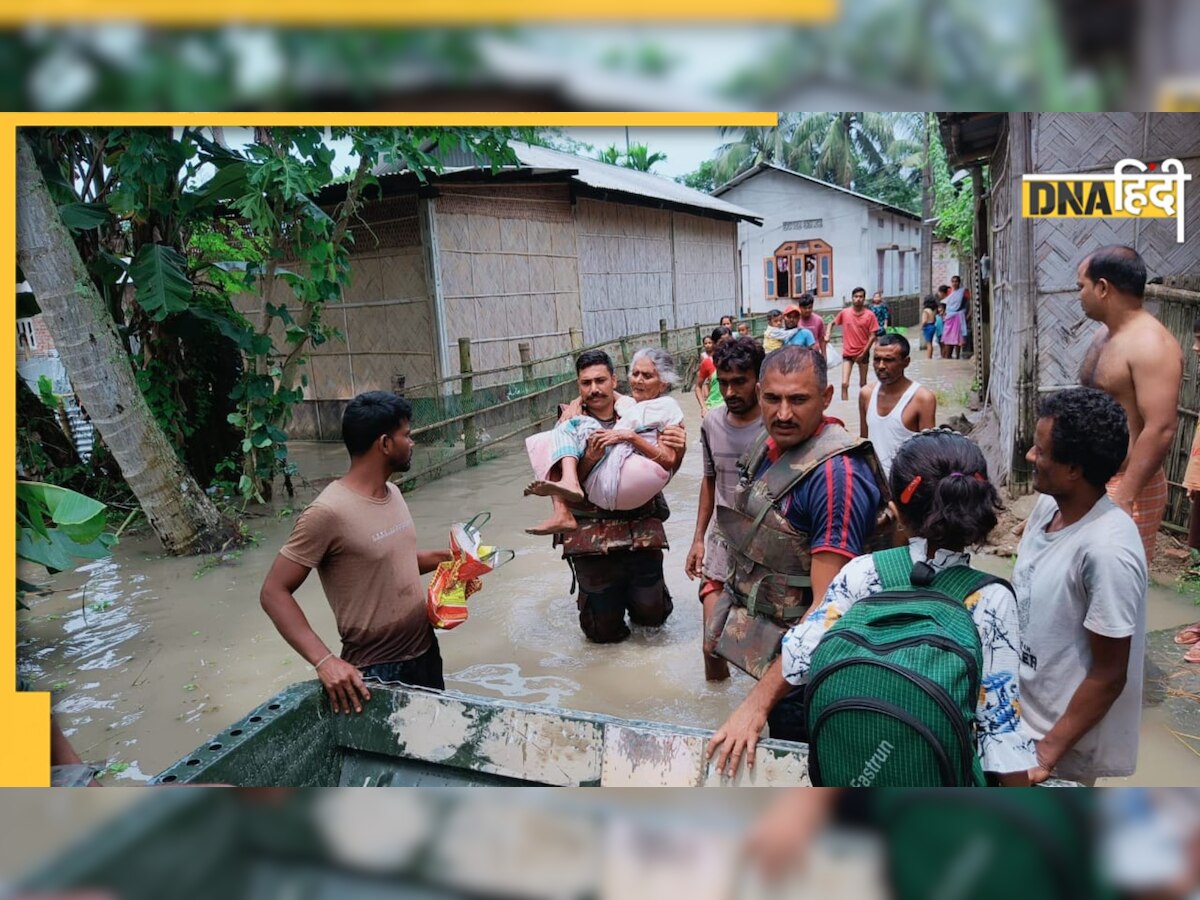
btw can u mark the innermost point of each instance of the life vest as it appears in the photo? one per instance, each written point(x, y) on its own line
point(769, 586)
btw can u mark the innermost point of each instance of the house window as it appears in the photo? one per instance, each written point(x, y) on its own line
point(25, 336)
point(769, 277)
point(803, 267)
point(879, 221)
point(901, 226)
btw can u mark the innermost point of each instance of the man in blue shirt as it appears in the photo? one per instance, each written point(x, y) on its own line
point(809, 501)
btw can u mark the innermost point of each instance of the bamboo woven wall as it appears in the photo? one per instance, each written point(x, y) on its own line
point(705, 270)
point(1093, 142)
point(1177, 309)
point(625, 255)
point(385, 317)
point(509, 266)
point(1063, 143)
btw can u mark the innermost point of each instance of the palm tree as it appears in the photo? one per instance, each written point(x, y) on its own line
point(754, 145)
point(838, 143)
point(639, 157)
point(610, 155)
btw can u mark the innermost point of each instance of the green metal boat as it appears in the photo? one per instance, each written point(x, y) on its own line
point(413, 736)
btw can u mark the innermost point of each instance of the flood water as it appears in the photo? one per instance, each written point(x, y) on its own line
point(147, 656)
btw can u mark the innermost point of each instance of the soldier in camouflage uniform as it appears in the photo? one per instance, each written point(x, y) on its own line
point(810, 499)
point(615, 556)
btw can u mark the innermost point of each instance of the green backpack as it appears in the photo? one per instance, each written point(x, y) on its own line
point(894, 684)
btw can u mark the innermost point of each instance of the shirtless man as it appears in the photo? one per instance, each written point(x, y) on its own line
point(896, 408)
point(1140, 364)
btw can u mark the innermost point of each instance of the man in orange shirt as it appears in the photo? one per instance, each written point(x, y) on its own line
point(859, 327)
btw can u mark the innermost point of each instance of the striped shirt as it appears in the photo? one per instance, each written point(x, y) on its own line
point(835, 505)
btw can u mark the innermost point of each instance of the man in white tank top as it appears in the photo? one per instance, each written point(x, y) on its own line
point(896, 408)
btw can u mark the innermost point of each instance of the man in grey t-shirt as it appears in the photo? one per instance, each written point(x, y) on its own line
point(1080, 582)
point(725, 433)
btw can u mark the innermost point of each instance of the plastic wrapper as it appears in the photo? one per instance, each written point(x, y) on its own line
point(456, 580)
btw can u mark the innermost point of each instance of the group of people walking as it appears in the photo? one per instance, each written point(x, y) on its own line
point(834, 569)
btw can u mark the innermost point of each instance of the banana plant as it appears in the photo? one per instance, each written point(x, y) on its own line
point(56, 526)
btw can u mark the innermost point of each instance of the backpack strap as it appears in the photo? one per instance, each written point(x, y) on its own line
point(894, 567)
point(958, 582)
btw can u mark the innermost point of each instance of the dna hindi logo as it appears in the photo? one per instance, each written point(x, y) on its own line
point(1133, 190)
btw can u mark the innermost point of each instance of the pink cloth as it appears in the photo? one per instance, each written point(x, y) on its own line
point(540, 448)
point(637, 478)
point(952, 331)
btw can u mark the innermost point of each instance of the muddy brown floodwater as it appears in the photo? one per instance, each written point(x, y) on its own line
point(147, 656)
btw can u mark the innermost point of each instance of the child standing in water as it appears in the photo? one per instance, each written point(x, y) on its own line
point(928, 324)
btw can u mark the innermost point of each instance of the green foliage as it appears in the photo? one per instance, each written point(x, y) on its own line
point(637, 157)
point(83, 216)
point(703, 178)
point(137, 194)
point(55, 525)
point(953, 205)
point(46, 392)
point(159, 275)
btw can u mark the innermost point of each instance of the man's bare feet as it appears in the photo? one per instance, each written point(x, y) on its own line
point(555, 524)
point(569, 492)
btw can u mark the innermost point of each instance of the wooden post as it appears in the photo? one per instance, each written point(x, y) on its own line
point(576, 339)
point(1025, 288)
point(527, 382)
point(468, 399)
point(662, 334)
point(699, 341)
point(625, 356)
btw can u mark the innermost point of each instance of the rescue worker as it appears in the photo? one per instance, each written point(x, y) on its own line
point(810, 498)
point(616, 557)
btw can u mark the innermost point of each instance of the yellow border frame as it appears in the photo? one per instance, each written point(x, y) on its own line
point(419, 12)
point(24, 757)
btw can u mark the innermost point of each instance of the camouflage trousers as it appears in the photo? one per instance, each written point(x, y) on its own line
point(619, 582)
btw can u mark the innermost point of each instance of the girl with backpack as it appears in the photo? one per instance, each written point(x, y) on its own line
point(912, 657)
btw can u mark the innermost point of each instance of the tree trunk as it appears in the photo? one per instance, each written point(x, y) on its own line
point(927, 214)
point(182, 515)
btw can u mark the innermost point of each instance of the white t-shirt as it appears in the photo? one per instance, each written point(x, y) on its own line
point(1088, 577)
point(656, 413)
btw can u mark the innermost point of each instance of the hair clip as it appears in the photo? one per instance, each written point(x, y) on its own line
point(907, 494)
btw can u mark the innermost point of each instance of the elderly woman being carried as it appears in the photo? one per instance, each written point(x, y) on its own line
point(634, 466)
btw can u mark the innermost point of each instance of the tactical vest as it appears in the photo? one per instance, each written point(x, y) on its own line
point(770, 577)
point(604, 530)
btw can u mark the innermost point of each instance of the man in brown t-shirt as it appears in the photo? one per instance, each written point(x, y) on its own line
point(359, 536)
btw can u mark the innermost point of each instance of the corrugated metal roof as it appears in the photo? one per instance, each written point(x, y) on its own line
point(764, 166)
point(605, 177)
